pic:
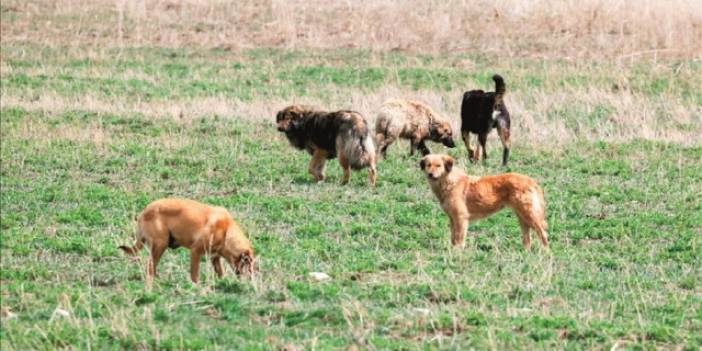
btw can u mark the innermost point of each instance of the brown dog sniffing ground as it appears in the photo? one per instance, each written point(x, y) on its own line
point(465, 198)
point(412, 120)
point(204, 229)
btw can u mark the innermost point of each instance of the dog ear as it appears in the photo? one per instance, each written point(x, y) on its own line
point(296, 112)
point(448, 163)
point(422, 163)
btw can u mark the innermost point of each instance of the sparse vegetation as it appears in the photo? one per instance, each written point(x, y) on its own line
point(93, 127)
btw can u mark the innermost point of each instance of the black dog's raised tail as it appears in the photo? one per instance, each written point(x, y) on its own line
point(500, 88)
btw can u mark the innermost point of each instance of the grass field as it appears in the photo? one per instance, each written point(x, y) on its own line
point(625, 216)
point(103, 111)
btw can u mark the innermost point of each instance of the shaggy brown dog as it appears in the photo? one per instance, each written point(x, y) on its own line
point(480, 113)
point(326, 135)
point(465, 198)
point(171, 223)
point(411, 120)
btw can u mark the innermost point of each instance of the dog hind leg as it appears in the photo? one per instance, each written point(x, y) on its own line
point(372, 172)
point(482, 140)
point(503, 132)
point(531, 213)
point(543, 235)
point(157, 249)
point(526, 235)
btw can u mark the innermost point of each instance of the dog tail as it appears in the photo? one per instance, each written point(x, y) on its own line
point(358, 146)
point(539, 196)
point(500, 88)
point(137, 246)
point(134, 249)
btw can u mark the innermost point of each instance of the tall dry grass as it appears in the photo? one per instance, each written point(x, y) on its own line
point(584, 30)
point(510, 28)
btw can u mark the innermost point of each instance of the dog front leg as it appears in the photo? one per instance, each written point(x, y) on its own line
point(413, 146)
point(195, 255)
point(459, 226)
point(380, 142)
point(423, 148)
point(466, 140)
point(347, 169)
point(217, 264)
point(316, 167)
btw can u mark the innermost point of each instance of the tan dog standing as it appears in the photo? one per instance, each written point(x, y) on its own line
point(465, 198)
point(204, 229)
point(411, 120)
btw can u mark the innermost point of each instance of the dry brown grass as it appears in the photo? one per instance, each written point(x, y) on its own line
point(634, 117)
point(510, 28)
point(584, 30)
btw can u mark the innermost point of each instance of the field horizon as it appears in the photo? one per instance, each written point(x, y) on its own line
point(106, 106)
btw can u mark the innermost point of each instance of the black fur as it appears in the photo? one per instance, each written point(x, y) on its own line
point(316, 130)
point(172, 243)
point(310, 130)
point(477, 116)
point(343, 134)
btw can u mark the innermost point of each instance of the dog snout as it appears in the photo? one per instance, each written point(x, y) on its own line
point(448, 142)
point(282, 126)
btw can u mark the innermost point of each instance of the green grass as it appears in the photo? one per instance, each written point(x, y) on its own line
point(625, 225)
point(625, 218)
point(157, 74)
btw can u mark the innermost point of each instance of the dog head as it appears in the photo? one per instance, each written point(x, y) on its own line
point(436, 166)
point(287, 117)
point(241, 261)
point(244, 263)
point(237, 250)
point(442, 132)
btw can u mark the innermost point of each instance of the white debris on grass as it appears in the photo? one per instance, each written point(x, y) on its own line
point(319, 276)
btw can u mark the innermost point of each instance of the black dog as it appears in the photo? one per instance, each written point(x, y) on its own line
point(328, 135)
point(480, 113)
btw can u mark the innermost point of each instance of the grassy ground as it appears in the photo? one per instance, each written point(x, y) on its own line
point(77, 165)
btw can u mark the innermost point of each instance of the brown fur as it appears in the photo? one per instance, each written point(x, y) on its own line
point(466, 198)
point(204, 229)
point(327, 135)
point(412, 120)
